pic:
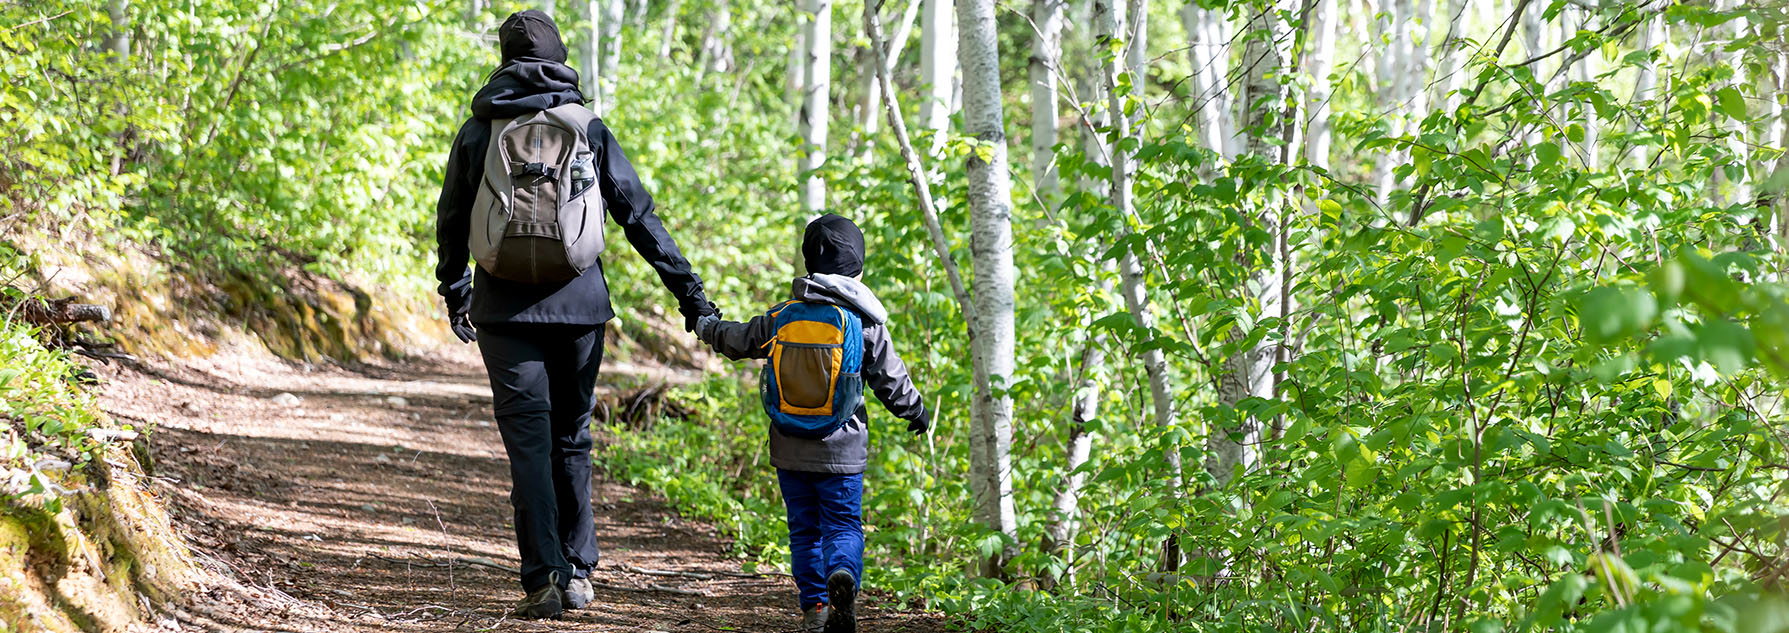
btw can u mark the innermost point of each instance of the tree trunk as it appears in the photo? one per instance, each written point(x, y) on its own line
point(937, 67)
point(869, 123)
point(1317, 99)
point(1065, 518)
point(1400, 83)
point(1046, 64)
point(118, 38)
point(816, 103)
point(590, 56)
point(546, 6)
point(1249, 373)
point(1124, 167)
point(611, 54)
point(475, 13)
point(1741, 190)
point(1646, 83)
point(669, 34)
point(991, 247)
point(1209, 52)
point(1576, 18)
point(713, 55)
point(796, 75)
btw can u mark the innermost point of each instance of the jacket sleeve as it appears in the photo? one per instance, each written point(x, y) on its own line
point(632, 208)
point(887, 376)
point(740, 341)
point(453, 217)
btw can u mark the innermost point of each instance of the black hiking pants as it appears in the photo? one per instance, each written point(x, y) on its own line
point(543, 383)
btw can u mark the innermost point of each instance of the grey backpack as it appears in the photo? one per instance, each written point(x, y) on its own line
point(538, 217)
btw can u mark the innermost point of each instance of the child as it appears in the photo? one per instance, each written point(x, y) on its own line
point(813, 393)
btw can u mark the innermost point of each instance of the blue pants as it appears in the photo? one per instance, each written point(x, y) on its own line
point(825, 528)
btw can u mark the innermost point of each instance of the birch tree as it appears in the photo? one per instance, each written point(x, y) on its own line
point(991, 248)
point(1208, 50)
point(795, 76)
point(1249, 372)
point(1401, 94)
point(937, 67)
point(610, 66)
point(1124, 71)
point(1066, 507)
point(816, 102)
point(1046, 56)
point(868, 119)
point(545, 6)
point(118, 39)
point(590, 56)
point(1317, 99)
point(1646, 81)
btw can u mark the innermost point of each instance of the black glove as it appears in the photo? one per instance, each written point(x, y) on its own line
point(458, 297)
point(696, 309)
point(462, 327)
point(921, 425)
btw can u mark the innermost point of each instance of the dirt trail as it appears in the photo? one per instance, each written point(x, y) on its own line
point(351, 508)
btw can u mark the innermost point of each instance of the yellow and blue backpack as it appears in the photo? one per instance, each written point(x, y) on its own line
point(813, 381)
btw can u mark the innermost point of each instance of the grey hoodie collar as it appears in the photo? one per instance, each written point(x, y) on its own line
point(842, 291)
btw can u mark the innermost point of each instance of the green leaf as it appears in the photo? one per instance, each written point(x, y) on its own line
point(1731, 102)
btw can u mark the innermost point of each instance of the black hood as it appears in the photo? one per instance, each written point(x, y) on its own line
point(533, 76)
point(531, 34)
point(833, 245)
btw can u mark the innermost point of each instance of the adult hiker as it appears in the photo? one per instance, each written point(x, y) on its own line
point(528, 179)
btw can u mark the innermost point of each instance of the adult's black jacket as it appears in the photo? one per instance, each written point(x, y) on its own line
point(530, 85)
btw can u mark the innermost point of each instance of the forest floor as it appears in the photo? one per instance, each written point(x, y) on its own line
point(375, 498)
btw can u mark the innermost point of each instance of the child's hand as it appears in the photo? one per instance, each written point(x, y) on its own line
point(921, 425)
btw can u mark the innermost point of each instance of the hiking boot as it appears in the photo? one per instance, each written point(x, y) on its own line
point(814, 620)
point(544, 603)
point(579, 593)
point(841, 593)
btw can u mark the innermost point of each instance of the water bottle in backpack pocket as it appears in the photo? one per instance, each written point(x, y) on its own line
point(812, 382)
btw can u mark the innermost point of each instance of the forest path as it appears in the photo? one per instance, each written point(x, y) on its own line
point(354, 507)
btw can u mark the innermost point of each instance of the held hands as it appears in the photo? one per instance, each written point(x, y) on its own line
point(696, 309)
point(705, 327)
point(922, 425)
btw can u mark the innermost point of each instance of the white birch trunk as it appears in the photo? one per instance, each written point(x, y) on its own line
point(1249, 373)
point(1208, 50)
point(1739, 128)
point(545, 6)
point(869, 111)
point(1065, 519)
point(937, 67)
point(1046, 64)
point(713, 56)
point(991, 247)
point(1317, 99)
point(611, 54)
point(475, 13)
point(1584, 71)
point(1124, 167)
point(590, 56)
point(816, 102)
point(669, 34)
point(118, 38)
point(1646, 83)
point(1400, 84)
point(796, 76)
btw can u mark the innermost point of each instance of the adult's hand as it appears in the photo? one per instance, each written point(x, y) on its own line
point(693, 311)
point(921, 425)
point(462, 327)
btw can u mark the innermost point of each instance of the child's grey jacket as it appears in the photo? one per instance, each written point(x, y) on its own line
point(846, 451)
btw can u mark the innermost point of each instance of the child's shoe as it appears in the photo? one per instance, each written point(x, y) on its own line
point(841, 590)
point(814, 620)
